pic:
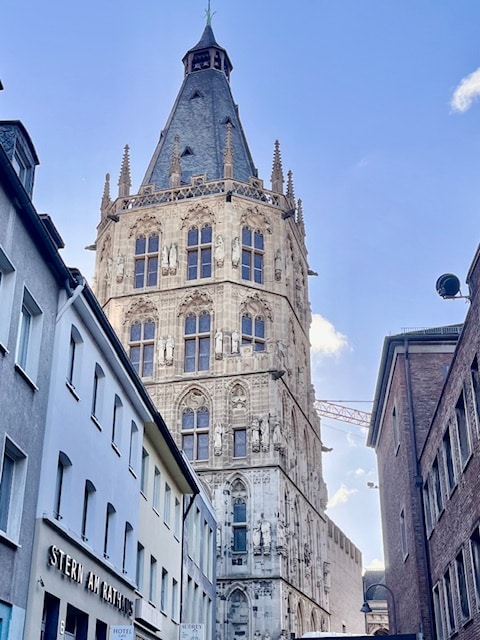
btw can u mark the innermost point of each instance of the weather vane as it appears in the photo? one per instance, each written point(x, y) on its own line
point(209, 15)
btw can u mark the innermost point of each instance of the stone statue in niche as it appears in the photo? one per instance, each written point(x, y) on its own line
point(219, 344)
point(265, 432)
point(235, 342)
point(306, 554)
point(217, 438)
point(255, 435)
point(162, 343)
point(278, 265)
point(266, 537)
point(120, 267)
point(165, 253)
point(172, 259)
point(219, 251)
point(266, 636)
point(277, 435)
point(169, 347)
point(219, 540)
point(257, 538)
point(280, 537)
point(236, 252)
point(108, 270)
point(239, 399)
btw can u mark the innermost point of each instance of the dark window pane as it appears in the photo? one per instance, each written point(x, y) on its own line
point(206, 235)
point(190, 324)
point(192, 265)
point(240, 443)
point(203, 418)
point(148, 360)
point(206, 266)
point(258, 268)
point(135, 357)
point(140, 245)
point(204, 323)
point(149, 331)
point(240, 539)
point(246, 265)
point(135, 332)
point(153, 244)
point(202, 446)
point(189, 355)
point(259, 328)
point(188, 419)
point(152, 272)
point(240, 512)
point(139, 273)
point(258, 240)
point(247, 237)
point(259, 346)
point(192, 238)
point(204, 354)
point(247, 324)
point(187, 446)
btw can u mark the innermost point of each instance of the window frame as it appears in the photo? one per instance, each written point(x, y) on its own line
point(198, 358)
point(27, 352)
point(199, 252)
point(463, 429)
point(7, 294)
point(256, 335)
point(198, 432)
point(12, 514)
point(252, 255)
point(144, 346)
point(146, 262)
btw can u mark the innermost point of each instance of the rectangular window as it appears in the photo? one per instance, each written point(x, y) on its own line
point(127, 534)
point(87, 497)
point(449, 608)
point(463, 595)
point(427, 505)
point(450, 472)
point(395, 429)
point(140, 566)
point(76, 623)
point(13, 473)
point(239, 443)
point(152, 590)
point(109, 532)
point(73, 356)
point(177, 516)
point(403, 534)
point(132, 452)
point(164, 591)
point(463, 430)
point(439, 613)
point(146, 262)
point(144, 473)
point(7, 289)
point(116, 420)
point(29, 336)
point(437, 488)
point(100, 630)
point(175, 601)
point(97, 392)
point(62, 466)
point(475, 384)
point(156, 488)
point(167, 504)
point(475, 551)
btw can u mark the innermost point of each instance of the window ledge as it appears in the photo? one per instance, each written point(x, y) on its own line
point(71, 388)
point(155, 510)
point(467, 462)
point(96, 422)
point(143, 495)
point(132, 471)
point(116, 449)
point(5, 538)
point(26, 377)
point(3, 349)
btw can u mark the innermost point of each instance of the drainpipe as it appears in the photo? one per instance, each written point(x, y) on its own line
point(418, 480)
point(72, 295)
point(184, 519)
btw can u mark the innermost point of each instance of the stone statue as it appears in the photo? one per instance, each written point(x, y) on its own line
point(120, 267)
point(236, 251)
point(219, 344)
point(169, 347)
point(266, 636)
point(217, 438)
point(278, 265)
point(172, 258)
point(280, 536)
point(257, 538)
point(235, 342)
point(265, 432)
point(219, 251)
point(161, 350)
point(219, 540)
point(165, 260)
point(108, 270)
point(255, 435)
point(277, 435)
point(266, 536)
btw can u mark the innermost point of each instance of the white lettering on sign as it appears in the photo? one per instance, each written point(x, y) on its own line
point(121, 632)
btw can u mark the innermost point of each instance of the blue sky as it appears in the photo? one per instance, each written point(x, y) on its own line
point(359, 93)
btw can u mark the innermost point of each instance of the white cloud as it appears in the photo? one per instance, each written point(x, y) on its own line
point(359, 472)
point(324, 338)
point(466, 92)
point(341, 496)
point(375, 565)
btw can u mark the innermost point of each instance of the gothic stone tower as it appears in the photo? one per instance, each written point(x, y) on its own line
point(203, 274)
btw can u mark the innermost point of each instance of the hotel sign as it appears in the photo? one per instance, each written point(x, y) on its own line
point(71, 568)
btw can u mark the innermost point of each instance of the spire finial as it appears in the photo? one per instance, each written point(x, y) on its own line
point(228, 153)
point(277, 171)
point(290, 190)
point(124, 181)
point(175, 173)
point(209, 14)
point(106, 200)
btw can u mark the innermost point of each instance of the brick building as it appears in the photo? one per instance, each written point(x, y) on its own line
point(425, 429)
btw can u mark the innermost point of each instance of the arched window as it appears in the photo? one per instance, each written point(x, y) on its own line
point(238, 614)
point(253, 331)
point(239, 525)
point(88, 492)
point(64, 463)
point(195, 433)
point(252, 255)
point(199, 253)
point(142, 347)
point(197, 342)
point(146, 261)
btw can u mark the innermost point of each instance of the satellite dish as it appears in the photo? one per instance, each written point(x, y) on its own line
point(448, 285)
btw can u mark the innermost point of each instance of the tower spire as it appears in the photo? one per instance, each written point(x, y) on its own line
point(124, 181)
point(228, 153)
point(209, 15)
point(106, 200)
point(277, 171)
point(290, 190)
point(175, 173)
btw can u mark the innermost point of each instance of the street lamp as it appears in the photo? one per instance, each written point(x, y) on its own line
point(367, 609)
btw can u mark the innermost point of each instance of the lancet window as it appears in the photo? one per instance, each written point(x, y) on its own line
point(195, 433)
point(253, 331)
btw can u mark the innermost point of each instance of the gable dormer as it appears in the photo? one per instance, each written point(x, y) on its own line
point(19, 148)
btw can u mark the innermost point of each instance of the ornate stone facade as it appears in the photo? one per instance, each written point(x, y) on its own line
point(205, 280)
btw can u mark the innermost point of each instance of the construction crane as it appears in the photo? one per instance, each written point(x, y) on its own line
point(326, 409)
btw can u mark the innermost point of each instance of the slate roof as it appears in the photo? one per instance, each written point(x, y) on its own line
point(199, 117)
